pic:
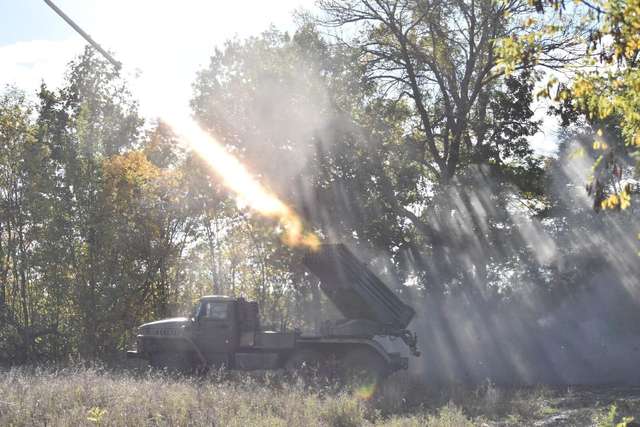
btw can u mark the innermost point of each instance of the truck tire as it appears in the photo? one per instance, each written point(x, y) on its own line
point(363, 367)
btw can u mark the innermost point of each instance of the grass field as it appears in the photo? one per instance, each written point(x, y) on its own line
point(97, 396)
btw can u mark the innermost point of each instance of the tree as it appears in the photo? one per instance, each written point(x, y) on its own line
point(20, 230)
point(307, 116)
point(441, 56)
point(601, 87)
point(439, 63)
point(57, 230)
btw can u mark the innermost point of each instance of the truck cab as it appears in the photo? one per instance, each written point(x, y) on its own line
point(221, 331)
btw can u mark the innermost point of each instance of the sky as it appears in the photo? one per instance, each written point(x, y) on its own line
point(161, 44)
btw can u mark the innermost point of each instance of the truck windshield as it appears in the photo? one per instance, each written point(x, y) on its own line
point(215, 310)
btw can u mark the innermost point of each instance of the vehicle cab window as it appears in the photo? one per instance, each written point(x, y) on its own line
point(215, 310)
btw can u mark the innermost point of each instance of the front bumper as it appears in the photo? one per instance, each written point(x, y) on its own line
point(134, 354)
point(137, 353)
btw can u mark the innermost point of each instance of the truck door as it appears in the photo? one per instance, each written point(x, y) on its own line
point(216, 331)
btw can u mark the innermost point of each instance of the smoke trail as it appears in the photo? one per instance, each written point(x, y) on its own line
point(235, 176)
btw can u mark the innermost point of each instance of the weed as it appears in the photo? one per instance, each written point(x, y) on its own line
point(89, 394)
point(611, 418)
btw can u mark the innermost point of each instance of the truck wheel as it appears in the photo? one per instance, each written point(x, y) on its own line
point(362, 367)
point(304, 362)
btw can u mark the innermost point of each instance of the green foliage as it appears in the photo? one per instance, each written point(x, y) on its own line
point(104, 226)
point(408, 141)
point(449, 416)
point(602, 86)
point(345, 142)
point(96, 414)
point(611, 417)
point(84, 239)
point(344, 411)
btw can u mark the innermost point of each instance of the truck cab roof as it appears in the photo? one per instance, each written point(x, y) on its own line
point(217, 298)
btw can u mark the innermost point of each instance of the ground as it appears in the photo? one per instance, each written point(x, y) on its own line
point(101, 396)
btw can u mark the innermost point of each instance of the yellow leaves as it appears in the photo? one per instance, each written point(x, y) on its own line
point(618, 52)
point(607, 83)
point(530, 38)
point(633, 81)
point(513, 51)
point(510, 52)
point(582, 87)
point(562, 95)
point(128, 176)
point(623, 21)
point(605, 107)
point(625, 199)
point(631, 47)
point(618, 84)
point(133, 166)
point(610, 202)
point(600, 145)
point(615, 201)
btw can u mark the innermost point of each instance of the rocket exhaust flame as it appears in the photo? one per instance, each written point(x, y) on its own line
point(251, 193)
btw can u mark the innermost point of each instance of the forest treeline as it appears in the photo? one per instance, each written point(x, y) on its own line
point(401, 128)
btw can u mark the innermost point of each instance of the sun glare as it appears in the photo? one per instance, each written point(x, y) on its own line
point(250, 192)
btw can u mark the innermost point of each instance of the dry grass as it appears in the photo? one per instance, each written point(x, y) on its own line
point(95, 396)
point(98, 396)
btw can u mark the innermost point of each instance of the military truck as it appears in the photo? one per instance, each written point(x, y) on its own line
point(225, 331)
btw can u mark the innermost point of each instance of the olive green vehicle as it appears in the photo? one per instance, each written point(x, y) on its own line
point(225, 331)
